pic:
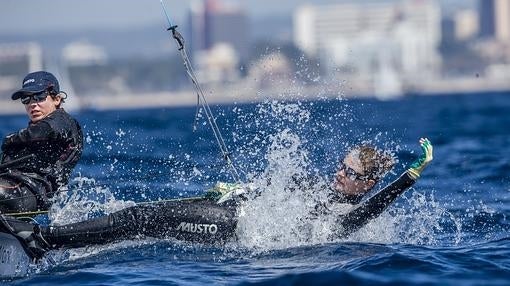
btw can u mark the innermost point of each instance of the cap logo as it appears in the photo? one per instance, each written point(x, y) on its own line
point(28, 81)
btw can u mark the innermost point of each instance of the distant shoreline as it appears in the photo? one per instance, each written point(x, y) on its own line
point(189, 98)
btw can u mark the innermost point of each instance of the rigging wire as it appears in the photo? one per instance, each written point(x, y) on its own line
point(201, 99)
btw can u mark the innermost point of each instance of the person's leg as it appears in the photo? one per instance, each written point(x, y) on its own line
point(16, 197)
point(201, 221)
point(190, 220)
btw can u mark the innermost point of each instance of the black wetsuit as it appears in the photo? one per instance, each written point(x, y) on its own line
point(372, 207)
point(199, 219)
point(51, 148)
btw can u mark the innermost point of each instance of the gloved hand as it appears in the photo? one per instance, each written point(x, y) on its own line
point(417, 166)
point(227, 191)
point(221, 189)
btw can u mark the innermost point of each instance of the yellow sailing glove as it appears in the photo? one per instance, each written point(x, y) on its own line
point(417, 166)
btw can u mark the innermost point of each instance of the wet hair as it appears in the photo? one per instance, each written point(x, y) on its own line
point(374, 162)
point(61, 94)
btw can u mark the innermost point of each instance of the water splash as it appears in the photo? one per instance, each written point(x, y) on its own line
point(280, 215)
point(83, 200)
point(419, 220)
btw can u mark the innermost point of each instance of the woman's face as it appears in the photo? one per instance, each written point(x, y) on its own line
point(350, 179)
point(39, 109)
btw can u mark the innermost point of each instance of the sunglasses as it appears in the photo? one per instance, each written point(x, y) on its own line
point(37, 97)
point(351, 173)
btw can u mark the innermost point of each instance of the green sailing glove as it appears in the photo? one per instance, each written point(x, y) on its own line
point(220, 190)
point(417, 166)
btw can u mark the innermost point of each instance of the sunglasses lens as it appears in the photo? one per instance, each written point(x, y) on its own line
point(350, 173)
point(40, 96)
point(26, 99)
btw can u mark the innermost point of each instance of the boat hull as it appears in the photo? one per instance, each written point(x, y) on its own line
point(13, 260)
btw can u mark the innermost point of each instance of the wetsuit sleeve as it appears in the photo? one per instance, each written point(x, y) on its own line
point(337, 197)
point(38, 132)
point(371, 208)
point(334, 197)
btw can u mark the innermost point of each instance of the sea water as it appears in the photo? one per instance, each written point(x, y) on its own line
point(450, 228)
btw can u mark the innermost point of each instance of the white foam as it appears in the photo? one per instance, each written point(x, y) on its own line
point(83, 200)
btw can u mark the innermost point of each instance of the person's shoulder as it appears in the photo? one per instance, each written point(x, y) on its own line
point(60, 115)
point(55, 115)
point(60, 112)
point(61, 120)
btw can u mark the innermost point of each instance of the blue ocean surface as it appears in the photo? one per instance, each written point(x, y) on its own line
point(450, 228)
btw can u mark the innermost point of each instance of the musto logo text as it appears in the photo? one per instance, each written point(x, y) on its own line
point(198, 228)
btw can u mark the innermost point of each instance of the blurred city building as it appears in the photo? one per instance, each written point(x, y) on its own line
point(79, 56)
point(271, 71)
point(494, 44)
point(218, 28)
point(218, 65)
point(466, 25)
point(382, 44)
point(83, 53)
point(16, 60)
point(495, 19)
point(487, 12)
point(353, 48)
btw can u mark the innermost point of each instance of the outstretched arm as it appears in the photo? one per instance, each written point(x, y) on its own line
point(371, 208)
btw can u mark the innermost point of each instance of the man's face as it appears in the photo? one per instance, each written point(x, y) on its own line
point(38, 108)
point(349, 178)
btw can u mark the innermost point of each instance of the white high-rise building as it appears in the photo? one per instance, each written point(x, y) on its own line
point(502, 21)
point(402, 36)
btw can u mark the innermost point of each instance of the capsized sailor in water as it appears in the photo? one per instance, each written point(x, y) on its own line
point(213, 217)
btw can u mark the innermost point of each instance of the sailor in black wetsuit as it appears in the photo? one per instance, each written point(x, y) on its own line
point(213, 219)
point(359, 172)
point(38, 160)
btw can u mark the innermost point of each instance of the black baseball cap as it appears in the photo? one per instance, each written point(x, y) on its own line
point(36, 82)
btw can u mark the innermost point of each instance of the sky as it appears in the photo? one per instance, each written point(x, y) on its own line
point(34, 16)
point(48, 15)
